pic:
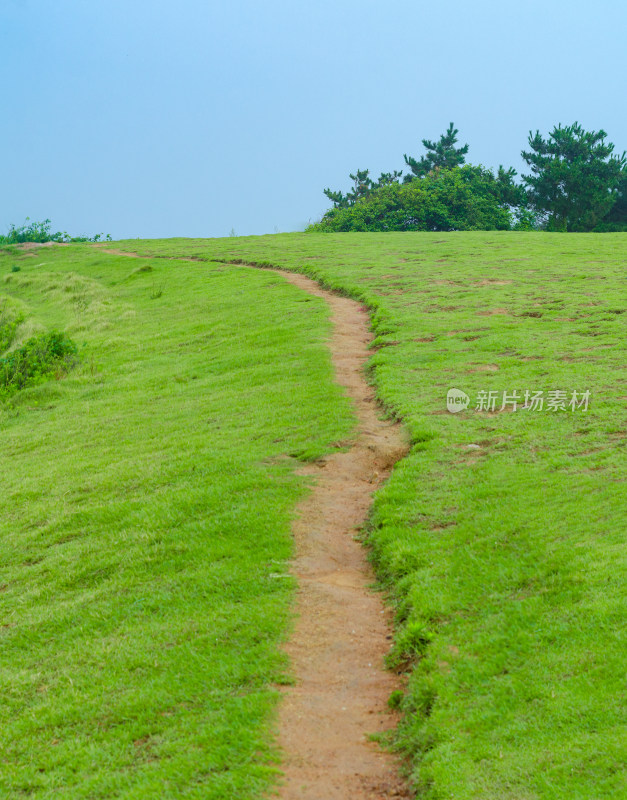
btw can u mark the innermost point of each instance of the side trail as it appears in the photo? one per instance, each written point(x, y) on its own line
point(342, 630)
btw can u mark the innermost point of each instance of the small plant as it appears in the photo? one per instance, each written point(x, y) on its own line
point(157, 292)
point(411, 644)
point(15, 268)
point(395, 700)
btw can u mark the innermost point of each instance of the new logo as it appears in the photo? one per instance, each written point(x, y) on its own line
point(456, 400)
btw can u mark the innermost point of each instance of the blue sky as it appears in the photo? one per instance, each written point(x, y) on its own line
point(193, 118)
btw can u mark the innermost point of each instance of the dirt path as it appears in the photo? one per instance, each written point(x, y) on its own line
point(342, 631)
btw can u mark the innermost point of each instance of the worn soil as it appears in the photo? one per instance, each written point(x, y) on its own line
point(342, 630)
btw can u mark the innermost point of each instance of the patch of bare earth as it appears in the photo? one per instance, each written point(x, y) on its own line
point(36, 245)
point(484, 368)
point(492, 312)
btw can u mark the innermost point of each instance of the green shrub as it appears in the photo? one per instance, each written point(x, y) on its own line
point(35, 360)
point(611, 227)
point(460, 199)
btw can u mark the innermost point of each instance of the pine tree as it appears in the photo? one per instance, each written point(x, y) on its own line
point(441, 154)
point(574, 177)
point(363, 186)
point(617, 218)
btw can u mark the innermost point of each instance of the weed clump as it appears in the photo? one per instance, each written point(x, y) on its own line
point(37, 359)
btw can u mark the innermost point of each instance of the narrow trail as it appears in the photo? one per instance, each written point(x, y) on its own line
point(342, 630)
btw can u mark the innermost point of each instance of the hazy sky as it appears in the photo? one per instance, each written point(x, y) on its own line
point(151, 118)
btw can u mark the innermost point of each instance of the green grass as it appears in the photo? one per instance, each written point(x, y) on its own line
point(145, 523)
point(505, 561)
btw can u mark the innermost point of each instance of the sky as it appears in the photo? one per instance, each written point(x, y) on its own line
point(146, 118)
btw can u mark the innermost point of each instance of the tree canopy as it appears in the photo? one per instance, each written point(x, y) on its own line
point(576, 183)
point(459, 199)
point(363, 186)
point(442, 154)
point(616, 220)
point(575, 177)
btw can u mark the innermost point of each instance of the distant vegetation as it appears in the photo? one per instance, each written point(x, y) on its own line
point(41, 232)
point(576, 183)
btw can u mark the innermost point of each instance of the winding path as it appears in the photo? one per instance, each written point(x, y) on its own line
point(342, 630)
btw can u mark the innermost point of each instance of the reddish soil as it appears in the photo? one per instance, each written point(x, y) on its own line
point(342, 631)
point(37, 245)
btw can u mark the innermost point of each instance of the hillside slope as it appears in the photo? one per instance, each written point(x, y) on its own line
point(501, 536)
point(145, 518)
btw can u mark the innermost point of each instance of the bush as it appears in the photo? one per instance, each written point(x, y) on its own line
point(460, 199)
point(611, 227)
point(41, 232)
point(35, 360)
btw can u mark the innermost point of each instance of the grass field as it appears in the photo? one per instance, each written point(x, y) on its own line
point(501, 536)
point(144, 517)
point(144, 523)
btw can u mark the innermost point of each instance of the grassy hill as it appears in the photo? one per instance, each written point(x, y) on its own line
point(144, 523)
point(141, 610)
